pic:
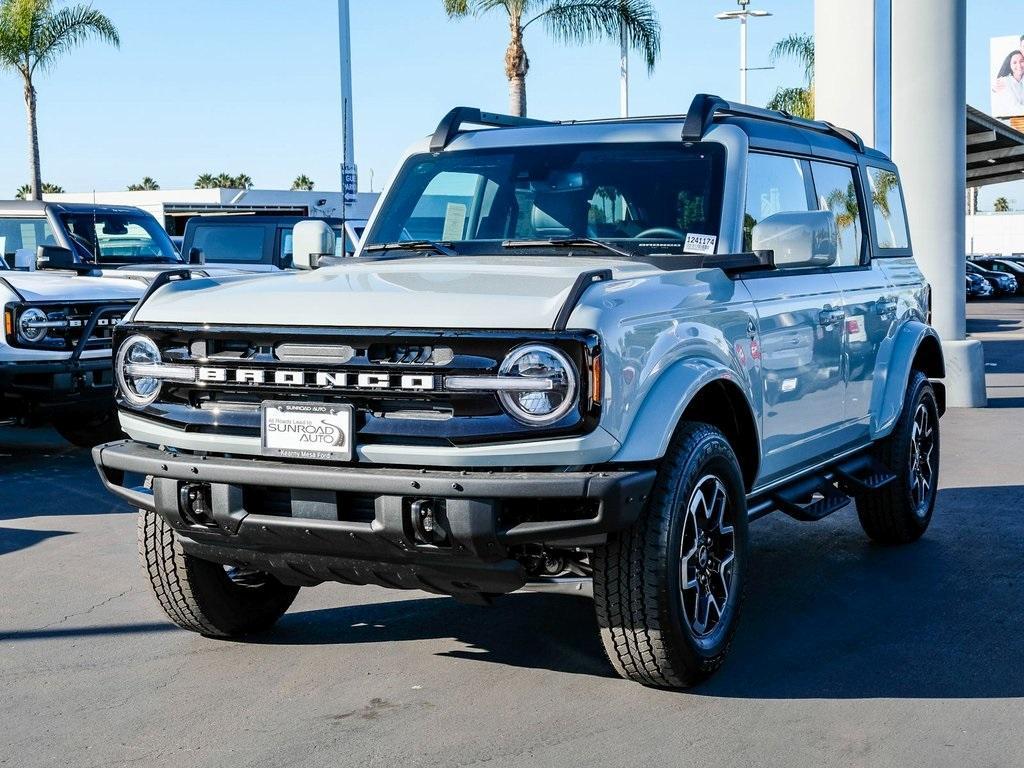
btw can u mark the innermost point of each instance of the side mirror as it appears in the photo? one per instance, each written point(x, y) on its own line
point(196, 256)
point(55, 257)
point(25, 259)
point(798, 238)
point(312, 239)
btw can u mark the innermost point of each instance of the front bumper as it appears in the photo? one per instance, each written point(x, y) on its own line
point(311, 523)
point(28, 388)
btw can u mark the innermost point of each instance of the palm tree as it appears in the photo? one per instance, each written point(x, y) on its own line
point(1001, 205)
point(25, 191)
point(796, 101)
point(147, 184)
point(302, 183)
point(241, 181)
point(206, 181)
point(568, 21)
point(33, 35)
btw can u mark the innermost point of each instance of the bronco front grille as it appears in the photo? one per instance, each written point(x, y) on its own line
point(68, 323)
point(393, 379)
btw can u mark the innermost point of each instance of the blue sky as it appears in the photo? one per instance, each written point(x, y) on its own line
point(252, 85)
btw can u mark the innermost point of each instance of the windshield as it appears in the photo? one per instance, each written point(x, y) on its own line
point(644, 198)
point(118, 238)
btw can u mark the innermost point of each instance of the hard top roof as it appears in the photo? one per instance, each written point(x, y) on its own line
point(762, 126)
point(40, 207)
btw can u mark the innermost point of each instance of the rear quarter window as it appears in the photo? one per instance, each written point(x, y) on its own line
point(888, 209)
point(231, 243)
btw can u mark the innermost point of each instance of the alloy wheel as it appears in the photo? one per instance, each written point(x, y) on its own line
point(707, 556)
point(922, 449)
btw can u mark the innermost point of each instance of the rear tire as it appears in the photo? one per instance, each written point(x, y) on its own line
point(899, 512)
point(667, 591)
point(202, 596)
point(87, 430)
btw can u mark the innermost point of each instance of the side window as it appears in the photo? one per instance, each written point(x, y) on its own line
point(19, 233)
point(887, 203)
point(233, 242)
point(774, 184)
point(608, 214)
point(837, 192)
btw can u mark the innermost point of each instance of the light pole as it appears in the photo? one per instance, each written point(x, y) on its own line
point(742, 14)
point(349, 182)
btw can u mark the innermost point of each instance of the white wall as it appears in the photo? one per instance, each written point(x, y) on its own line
point(995, 233)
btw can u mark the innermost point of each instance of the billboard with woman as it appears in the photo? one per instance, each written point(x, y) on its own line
point(1007, 68)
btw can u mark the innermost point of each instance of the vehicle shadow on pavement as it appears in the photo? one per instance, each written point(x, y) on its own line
point(54, 483)
point(15, 539)
point(534, 630)
point(831, 615)
point(828, 613)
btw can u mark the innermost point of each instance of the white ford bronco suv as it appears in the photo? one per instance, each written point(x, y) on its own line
point(583, 350)
point(58, 325)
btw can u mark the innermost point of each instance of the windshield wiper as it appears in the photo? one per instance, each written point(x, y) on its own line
point(413, 245)
point(568, 242)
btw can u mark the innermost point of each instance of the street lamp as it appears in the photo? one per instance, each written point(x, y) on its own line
point(742, 14)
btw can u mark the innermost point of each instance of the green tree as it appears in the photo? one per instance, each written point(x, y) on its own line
point(302, 183)
point(205, 181)
point(25, 191)
point(33, 35)
point(147, 184)
point(567, 21)
point(1001, 205)
point(797, 101)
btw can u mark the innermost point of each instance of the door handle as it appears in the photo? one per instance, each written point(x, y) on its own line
point(885, 305)
point(831, 316)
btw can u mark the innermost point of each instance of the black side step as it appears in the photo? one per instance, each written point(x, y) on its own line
point(861, 474)
point(811, 499)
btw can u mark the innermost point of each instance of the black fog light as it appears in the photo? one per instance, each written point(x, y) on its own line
point(195, 505)
point(426, 515)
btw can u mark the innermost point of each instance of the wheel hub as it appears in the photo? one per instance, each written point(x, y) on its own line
point(706, 556)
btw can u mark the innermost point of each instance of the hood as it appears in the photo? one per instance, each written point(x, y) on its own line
point(510, 292)
point(44, 285)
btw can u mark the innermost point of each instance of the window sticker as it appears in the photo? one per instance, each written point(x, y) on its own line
point(454, 221)
point(700, 243)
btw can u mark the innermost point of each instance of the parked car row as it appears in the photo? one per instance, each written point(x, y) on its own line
point(995, 276)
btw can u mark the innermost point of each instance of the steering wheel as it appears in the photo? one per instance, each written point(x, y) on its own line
point(662, 231)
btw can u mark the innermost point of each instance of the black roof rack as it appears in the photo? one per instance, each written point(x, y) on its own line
point(705, 106)
point(452, 123)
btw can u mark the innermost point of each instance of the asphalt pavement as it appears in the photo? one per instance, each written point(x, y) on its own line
point(848, 653)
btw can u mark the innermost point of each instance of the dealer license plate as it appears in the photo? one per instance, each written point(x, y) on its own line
point(307, 430)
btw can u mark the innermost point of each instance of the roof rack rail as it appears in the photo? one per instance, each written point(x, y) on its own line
point(705, 106)
point(452, 123)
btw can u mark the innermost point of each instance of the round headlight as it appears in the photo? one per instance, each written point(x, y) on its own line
point(26, 332)
point(138, 390)
point(552, 388)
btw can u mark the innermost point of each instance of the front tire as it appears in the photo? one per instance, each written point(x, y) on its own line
point(668, 590)
point(900, 511)
point(206, 597)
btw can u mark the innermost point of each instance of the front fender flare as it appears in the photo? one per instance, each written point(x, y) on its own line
point(892, 376)
point(651, 430)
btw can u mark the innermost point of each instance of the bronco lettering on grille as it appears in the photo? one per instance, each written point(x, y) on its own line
point(317, 379)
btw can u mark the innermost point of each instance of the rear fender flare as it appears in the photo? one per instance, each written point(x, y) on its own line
point(893, 372)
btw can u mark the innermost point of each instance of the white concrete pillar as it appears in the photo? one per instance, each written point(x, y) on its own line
point(929, 143)
point(872, 74)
